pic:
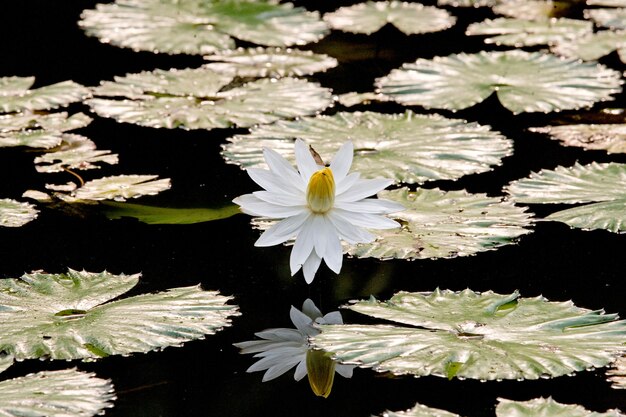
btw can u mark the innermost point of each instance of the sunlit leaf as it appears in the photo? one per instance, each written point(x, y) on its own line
point(467, 3)
point(484, 336)
point(56, 394)
point(269, 62)
point(593, 46)
point(608, 137)
point(410, 18)
point(37, 130)
point(607, 215)
point(121, 187)
point(167, 215)
point(607, 3)
point(440, 224)
point(546, 407)
point(523, 81)
point(353, 99)
point(407, 147)
point(15, 94)
point(617, 373)
point(198, 99)
point(522, 32)
point(533, 9)
point(70, 316)
point(420, 411)
point(75, 152)
point(200, 27)
point(609, 18)
point(15, 214)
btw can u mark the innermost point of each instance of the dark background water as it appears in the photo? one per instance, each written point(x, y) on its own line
point(41, 38)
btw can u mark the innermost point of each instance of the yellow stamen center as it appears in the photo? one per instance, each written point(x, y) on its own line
point(320, 193)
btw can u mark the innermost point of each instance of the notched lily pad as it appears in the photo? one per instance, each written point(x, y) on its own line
point(167, 215)
point(608, 18)
point(56, 394)
point(607, 137)
point(70, 316)
point(407, 147)
point(16, 96)
point(440, 224)
point(484, 336)
point(269, 62)
point(121, 187)
point(15, 214)
point(75, 152)
point(205, 99)
point(523, 81)
point(369, 17)
point(593, 46)
point(200, 27)
point(37, 130)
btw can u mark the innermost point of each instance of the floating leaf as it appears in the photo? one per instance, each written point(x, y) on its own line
point(15, 94)
point(167, 215)
point(196, 99)
point(440, 224)
point(608, 137)
point(607, 3)
point(269, 62)
point(75, 152)
point(15, 214)
point(407, 147)
point(200, 27)
point(486, 336)
point(593, 46)
point(410, 18)
point(523, 81)
point(599, 184)
point(352, 99)
point(37, 130)
point(56, 394)
point(617, 373)
point(533, 9)
point(467, 3)
point(121, 187)
point(420, 411)
point(67, 316)
point(522, 32)
point(609, 18)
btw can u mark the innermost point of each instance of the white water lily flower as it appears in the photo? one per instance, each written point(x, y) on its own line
point(318, 206)
point(283, 349)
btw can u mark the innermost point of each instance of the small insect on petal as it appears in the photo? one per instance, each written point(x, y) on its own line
point(321, 371)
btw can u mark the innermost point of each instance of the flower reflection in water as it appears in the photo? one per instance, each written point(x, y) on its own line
point(282, 349)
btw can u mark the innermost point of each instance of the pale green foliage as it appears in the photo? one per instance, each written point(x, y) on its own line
point(121, 187)
point(199, 99)
point(37, 130)
point(200, 26)
point(15, 214)
point(67, 316)
point(608, 137)
point(607, 3)
point(167, 215)
point(467, 3)
point(369, 17)
point(593, 46)
point(532, 9)
point(420, 411)
point(15, 95)
point(609, 18)
point(62, 393)
point(269, 62)
point(484, 336)
point(445, 224)
point(617, 373)
point(407, 147)
point(75, 152)
point(522, 32)
point(523, 81)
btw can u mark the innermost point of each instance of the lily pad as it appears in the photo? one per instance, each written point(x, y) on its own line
point(420, 411)
point(410, 18)
point(200, 99)
point(522, 32)
point(467, 3)
point(15, 214)
point(523, 81)
point(607, 3)
point(15, 94)
point(407, 147)
point(121, 187)
point(607, 137)
point(167, 215)
point(593, 46)
point(200, 27)
point(440, 224)
point(56, 394)
point(270, 62)
point(70, 316)
point(608, 18)
point(484, 336)
point(75, 152)
point(617, 373)
point(533, 9)
point(37, 130)
point(601, 185)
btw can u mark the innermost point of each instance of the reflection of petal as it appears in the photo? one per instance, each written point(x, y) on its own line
point(305, 161)
point(302, 321)
point(300, 371)
point(334, 317)
point(321, 370)
point(282, 231)
point(345, 370)
point(310, 309)
point(342, 161)
point(363, 188)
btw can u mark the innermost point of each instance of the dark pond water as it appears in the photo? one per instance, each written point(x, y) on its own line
point(208, 377)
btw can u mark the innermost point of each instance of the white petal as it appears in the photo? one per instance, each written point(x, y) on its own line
point(342, 161)
point(310, 267)
point(310, 309)
point(282, 199)
point(281, 334)
point(370, 205)
point(277, 370)
point(300, 371)
point(303, 246)
point(347, 182)
point(334, 254)
point(334, 317)
point(251, 204)
point(272, 182)
point(306, 164)
point(302, 322)
point(346, 230)
point(369, 221)
point(321, 230)
point(363, 188)
point(282, 231)
point(281, 167)
point(344, 370)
